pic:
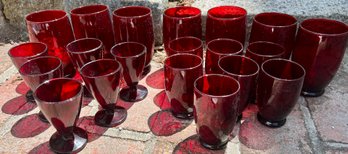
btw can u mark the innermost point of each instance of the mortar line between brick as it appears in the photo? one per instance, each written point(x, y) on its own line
point(311, 128)
point(336, 145)
point(150, 145)
point(8, 73)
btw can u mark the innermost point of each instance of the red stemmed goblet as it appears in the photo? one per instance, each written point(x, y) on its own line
point(275, 27)
point(320, 48)
point(21, 53)
point(279, 87)
point(179, 22)
point(215, 109)
point(219, 48)
point(94, 21)
point(102, 77)
point(53, 28)
point(134, 24)
point(186, 44)
point(37, 70)
point(245, 71)
point(60, 101)
point(132, 57)
point(226, 22)
point(261, 51)
point(180, 72)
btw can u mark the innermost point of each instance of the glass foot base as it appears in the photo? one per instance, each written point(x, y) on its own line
point(133, 94)
point(312, 94)
point(272, 124)
point(110, 118)
point(185, 116)
point(30, 97)
point(213, 147)
point(42, 117)
point(76, 143)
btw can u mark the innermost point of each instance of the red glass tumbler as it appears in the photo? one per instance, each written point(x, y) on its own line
point(134, 24)
point(132, 57)
point(180, 72)
point(215, 109)
point(275, 27)
point(279, 87)
point(261, 51)
point(181, 21)
point(53, 28)
point(187, 44)
point(320, 48)
point(217, 49)
point(94, 21)
point(60, 101)
point(226, 22)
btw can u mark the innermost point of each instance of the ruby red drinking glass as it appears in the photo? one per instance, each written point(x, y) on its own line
point(21, 53)
point(215, 109)
point(226, 22)
point(279, 87)
point(180, 72)
point(37, 70)
point(53, 28)
point(261, 51)
point(245, 71)
point(275, 27)
point(134, 24)
point(187, 44)
point(94, 21)
point(132, 57)
point(320, 48)
point(219, 48)
point(60, 101)
point(181, 21)
point(102, 77)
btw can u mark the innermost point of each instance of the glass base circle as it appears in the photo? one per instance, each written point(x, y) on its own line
point(30, 97)
point(312, 93)
point(184, 116)
point(110, 118)
point(213, 147)
point(271, 124)
point(42, 117)
point(60, 144)
point(135, 94)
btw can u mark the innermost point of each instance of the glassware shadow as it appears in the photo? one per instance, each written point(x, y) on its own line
point(156, 79)
point(192, 145)
point(18, 106)
point(29, 126)
point(161, 100)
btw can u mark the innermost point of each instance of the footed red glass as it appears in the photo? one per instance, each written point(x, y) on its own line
point(102, 78)
point(21, 53)
point(226, 22)
point(261, 51)
point(215, 109)
point(94, 21)
point(187, 44)
point(245, 71)
point(217, 49)
point(132, 57)
point(275, 27)
point(37, 70)
point(60, 101)
point(134, 24)
point(53, 28)
point(180, 72)
point(320, 47)
point(179, 22)
point(279, 87)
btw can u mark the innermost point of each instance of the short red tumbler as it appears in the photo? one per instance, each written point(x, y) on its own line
point(186, 44)
point(215, 109)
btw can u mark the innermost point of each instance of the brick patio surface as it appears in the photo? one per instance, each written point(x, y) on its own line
point(316, 125)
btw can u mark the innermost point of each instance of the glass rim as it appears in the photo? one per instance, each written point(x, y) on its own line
point(276, 26)
point(216, 96)
point(24, 44)
point(228, 18)
point(268, 55)
point(281, 79)
point(72, 43)
point(45, 11)
point(72, 12)
point(186, 37)
point(189, 17)
point(97, 61)
point(239, 75)
point(325, 20)
point(62, 101)
point(225, 39)
point(112, 50)
point(60, 64)
point(114, 14)
point(183, 54)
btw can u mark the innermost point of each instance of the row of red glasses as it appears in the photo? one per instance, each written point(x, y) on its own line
point(318, 46)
